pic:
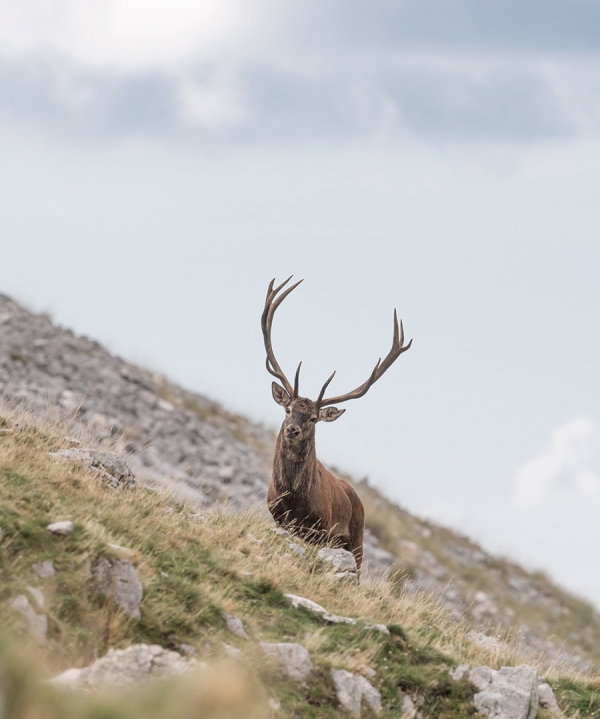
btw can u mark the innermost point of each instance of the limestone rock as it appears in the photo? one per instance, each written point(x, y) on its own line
point(340, 559)
point(44, 569)
point(351, 688)
point(126, 666)
point(235, 625)
point(318, 609)
point(294, 657)
point(118, 577)
point(297, 549)
point(460, 672)
point(37, 624)
point(63, 528)
point(547, 699)
point(37, 596)
point(280, 531)
point(377, 628)
point(509, 693)
point(113, 469)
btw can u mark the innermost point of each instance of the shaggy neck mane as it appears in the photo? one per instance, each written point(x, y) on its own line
point(295, 468)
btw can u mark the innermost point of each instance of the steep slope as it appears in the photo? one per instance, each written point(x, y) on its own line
point(182, 440)
point(198, 572)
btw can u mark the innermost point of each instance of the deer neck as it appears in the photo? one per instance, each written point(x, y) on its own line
point(294, 466)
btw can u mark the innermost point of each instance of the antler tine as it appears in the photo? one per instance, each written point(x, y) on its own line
point(266, 323)
point(297, 380)
point(323, 388)
point(398, 347)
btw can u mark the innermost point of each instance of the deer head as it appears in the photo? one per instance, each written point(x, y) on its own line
point(302, 413)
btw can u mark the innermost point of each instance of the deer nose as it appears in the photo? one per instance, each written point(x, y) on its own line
point(292, 431)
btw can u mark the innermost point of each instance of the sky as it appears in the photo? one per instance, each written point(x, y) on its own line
point(163, 161)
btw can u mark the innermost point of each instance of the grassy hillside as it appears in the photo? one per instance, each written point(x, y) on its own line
point(192, 569)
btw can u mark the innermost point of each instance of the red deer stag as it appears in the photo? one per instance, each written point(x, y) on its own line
point(303, 495)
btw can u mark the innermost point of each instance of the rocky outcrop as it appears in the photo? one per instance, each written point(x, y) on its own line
point(509, 693)
point(122, 667)
point(118, 580)
point(111, 467)
point(352, 688)
point(35, 619)
point(294, 658)
point(166, 431)
point(318, 609)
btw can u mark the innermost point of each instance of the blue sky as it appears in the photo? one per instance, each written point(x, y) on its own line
point(162, 162)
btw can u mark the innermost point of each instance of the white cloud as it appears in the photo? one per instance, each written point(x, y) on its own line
point(216, 103)
point(559, 469)
point(129, 36)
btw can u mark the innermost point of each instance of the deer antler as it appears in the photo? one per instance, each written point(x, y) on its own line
point(266, 323)
point(398, 348)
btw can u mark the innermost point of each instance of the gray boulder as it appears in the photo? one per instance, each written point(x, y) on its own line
point(235, 625)
point(113, 469)
point(65, 528)
point(44, 569)
point(547, 699)
point(117, 577)
point(294, 657)
point(350, 690)
point(340, 559)
point(37, 623)
point(121, 667)
point(509, 693)
point(318, 609)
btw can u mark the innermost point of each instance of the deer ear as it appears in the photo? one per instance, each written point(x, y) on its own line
point(330, 414)
point(280, 395)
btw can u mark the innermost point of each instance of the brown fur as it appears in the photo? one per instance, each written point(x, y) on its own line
point(303, 495)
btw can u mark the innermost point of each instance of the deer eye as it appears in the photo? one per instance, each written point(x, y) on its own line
point(287, 410)
point(312, 419)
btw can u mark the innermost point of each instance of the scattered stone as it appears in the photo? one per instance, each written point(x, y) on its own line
point(318, 609)
point(508, 693)
point(121, 551)
point(484, 641)
point(246, 573)
point(351, 688)
point(38, 598)
point(63, 528)
point(118, 577)
point(460, 672)
point(232, 652)
point(280, 531)
point(44, 569)
point(235, 625)
point(121, 667)
point(37, 624)
point(254, 540)
point(366, 671)
point(378, 628)
point(294, 657)
point(187, 649)
point(408, 708)
point(197, 517)
point(113, 469)
point(547, 699)
point(168, 510)
point(297, 549)
point(340, 559)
